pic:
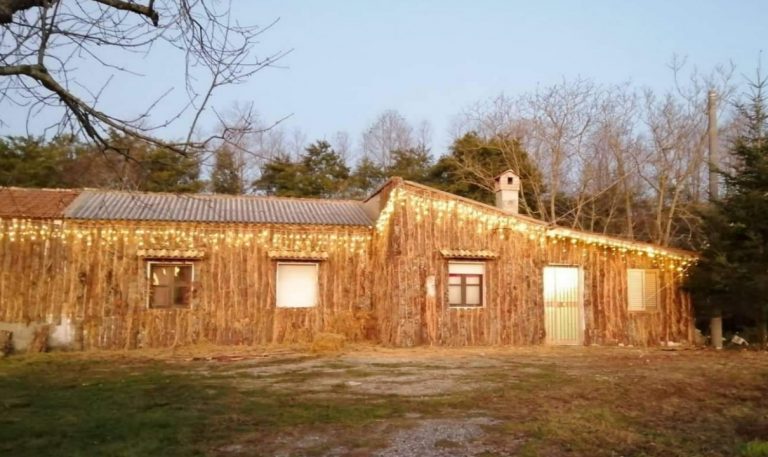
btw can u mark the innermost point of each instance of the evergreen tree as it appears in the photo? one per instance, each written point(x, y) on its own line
point(163, 170)
point(31, 162)
point(366, 178)
point(412, 164)
point(323, 171)
point(474, 161)
point(319, 172)
point(62, 162)
point(732, 274)
point(279, 177)
point(227, 174)
point(136, 165)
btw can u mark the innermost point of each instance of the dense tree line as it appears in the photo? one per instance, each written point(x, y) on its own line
point(67, 162)
point(319, 171)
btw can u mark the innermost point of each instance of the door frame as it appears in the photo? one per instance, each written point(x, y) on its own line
point(580, 308)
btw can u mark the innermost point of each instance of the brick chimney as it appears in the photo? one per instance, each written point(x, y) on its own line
point(507, 188)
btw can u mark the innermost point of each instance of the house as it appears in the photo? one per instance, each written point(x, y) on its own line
point(410, 265)
point(452, 271)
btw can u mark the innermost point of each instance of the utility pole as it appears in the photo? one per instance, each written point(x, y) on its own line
point(714, 161)
point(716, 321)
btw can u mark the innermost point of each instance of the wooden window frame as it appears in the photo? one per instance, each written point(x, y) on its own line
point(463, 285)
point(316, 264)
point(170, 263)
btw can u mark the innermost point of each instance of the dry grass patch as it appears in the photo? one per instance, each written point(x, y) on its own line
point(374, 401)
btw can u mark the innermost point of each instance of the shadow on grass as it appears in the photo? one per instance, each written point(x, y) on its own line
point(86, 408)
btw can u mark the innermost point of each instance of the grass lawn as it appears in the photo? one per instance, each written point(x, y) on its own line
point(478, 401)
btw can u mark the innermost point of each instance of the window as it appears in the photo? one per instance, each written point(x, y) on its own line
point(465, 283)
point(643, 289)
point(297, 285)
point(170, 284)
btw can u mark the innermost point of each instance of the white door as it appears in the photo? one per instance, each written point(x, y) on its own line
point(562, 304)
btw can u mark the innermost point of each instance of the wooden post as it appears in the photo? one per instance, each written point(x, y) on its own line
point(716, 331)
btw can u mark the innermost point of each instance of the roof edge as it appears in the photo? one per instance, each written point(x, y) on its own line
point(216, 195)
point(528, 219)
point(549, 226)
point(394, 180)
point(47, 189)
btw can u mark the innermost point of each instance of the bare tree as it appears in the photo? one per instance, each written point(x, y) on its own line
point(552, 125)
point(342, 144)
point(45, 41)
point(609, 176)
point(252, 142)
point(673, 163)
point(559, 121)
point(392, 132)
point(612, 159)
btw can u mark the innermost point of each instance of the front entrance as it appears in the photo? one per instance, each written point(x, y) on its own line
point(562, 304)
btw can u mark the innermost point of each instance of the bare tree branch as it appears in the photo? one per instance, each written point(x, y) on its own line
point(44, 41)
point(142, 10)
point(10, 7)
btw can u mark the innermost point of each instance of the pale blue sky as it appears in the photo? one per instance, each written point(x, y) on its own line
point(428, 59)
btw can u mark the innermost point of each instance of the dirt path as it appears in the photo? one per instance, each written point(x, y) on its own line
point(537, 401)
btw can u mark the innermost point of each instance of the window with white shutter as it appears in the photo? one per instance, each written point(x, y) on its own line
point(297, 285)
point(642, 289)
point(651, 289)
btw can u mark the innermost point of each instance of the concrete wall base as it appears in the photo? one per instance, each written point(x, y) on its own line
point(60, 336)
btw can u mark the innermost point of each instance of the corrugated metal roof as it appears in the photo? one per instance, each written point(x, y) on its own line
point(35, 203)
point(115, 205)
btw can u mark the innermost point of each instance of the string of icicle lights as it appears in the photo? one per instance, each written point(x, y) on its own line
point(488, 222)
point(484, 221)
point(278, 238)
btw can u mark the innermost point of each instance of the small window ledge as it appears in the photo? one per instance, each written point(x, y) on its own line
point(297, 255)
point(171, 253)
point(468, 254)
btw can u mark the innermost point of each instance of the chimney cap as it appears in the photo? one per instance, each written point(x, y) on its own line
point(508, 180)
point(506, 172)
